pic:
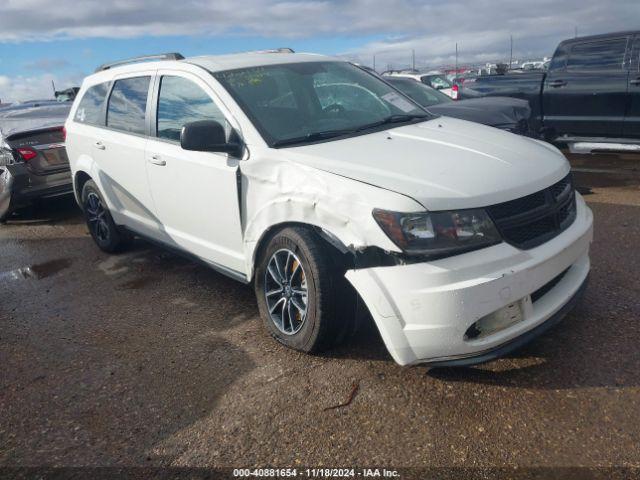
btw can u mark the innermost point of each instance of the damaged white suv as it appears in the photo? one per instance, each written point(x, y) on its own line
point(327, 188)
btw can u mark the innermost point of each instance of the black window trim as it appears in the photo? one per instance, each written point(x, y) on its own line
point(145, 134)
point(624, 66)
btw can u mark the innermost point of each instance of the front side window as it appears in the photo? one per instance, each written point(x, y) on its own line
point(180, 102)
point(315, 101)
point(602, 55)
point(128, 104)
point(89, 110)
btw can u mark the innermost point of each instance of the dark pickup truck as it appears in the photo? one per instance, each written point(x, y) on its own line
point(589, 99)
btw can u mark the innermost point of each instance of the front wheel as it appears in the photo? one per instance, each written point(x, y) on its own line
point(101, 226)
point(298, 285)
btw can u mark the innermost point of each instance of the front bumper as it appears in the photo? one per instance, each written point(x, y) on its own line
point(423, 310)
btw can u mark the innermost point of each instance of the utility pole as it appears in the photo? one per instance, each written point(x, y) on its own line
point(374, 62)
point(53, 85)
point(511, 52)
point(456, 59)
point(575, 31)
point(413, 58)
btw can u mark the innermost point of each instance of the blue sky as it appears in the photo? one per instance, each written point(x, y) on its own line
point(73, 56)
point(41, 41)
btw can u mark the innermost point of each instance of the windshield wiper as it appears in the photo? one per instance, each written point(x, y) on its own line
point(311, 137)
point(391, 119)
point(324, 135)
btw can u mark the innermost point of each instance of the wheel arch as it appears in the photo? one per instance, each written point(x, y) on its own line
point(328, 238)
point(79, 179)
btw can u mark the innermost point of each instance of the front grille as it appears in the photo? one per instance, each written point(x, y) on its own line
point(532, 220)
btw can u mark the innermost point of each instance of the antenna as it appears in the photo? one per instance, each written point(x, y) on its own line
point(511, 52)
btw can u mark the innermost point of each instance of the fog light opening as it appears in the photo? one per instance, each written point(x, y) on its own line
point(496, 321)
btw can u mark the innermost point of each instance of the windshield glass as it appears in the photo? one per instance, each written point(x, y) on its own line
point(420, 93)
point(315, 101)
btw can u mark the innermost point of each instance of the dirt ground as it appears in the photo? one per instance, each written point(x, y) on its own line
point(147, 359)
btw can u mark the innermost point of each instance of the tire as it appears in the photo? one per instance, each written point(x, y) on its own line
point(102, 228)
point(328, 316)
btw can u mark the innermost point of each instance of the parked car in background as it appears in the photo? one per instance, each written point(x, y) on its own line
point(33, 160)
point(434, 79)
point(589, 99)
point(511, 114)
point(306, 176)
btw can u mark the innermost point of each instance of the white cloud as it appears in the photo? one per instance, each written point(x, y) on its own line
point(36, 87)
point(430, 27)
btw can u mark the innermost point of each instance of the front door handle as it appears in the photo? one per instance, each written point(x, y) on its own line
point(99, 145)
point(156, 160)
point(557, 83)
point(635, 81)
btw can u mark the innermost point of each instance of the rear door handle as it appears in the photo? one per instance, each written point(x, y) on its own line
point(99, 145)
point(557, 83)
point(156, 160)
point(635, 81)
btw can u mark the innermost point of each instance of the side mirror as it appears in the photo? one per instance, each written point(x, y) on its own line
point(208, 136)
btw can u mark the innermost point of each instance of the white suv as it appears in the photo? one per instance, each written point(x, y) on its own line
point(325, 187)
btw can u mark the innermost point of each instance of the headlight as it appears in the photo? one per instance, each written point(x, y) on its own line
point(438, 233)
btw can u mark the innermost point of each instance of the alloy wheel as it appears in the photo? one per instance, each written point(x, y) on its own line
point(285, 290)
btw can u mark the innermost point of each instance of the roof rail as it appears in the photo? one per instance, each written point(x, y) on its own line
point(143, 58)
point(275, 50)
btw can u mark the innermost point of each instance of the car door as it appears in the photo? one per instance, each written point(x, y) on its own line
point(121, 146)
point(632, 119)
point(587, 97)
point(195, 193)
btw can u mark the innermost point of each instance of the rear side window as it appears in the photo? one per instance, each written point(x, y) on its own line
point(90, 108)
point(128, 104)
point(602, 55)
point(181, 101)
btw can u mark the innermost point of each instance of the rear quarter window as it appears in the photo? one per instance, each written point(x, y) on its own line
point(89, 109)
point(128, 104)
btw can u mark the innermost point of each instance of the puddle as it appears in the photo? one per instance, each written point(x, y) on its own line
point(37, 271)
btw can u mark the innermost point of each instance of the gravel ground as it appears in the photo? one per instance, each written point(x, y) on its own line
point(146, 359)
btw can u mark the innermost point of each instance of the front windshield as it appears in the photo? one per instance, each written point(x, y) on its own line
point(315, 101)
point(420, 93)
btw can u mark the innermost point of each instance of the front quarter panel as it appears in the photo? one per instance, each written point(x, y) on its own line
point(280, 191)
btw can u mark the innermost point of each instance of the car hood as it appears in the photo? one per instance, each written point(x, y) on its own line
point(443, 163)
point(494, 111)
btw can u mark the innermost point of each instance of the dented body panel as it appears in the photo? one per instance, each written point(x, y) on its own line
point(423, 310)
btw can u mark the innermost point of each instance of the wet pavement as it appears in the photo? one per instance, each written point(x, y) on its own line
point(145, 358)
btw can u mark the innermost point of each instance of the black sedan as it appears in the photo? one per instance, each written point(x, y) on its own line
point(511, 114)
point(33, 160)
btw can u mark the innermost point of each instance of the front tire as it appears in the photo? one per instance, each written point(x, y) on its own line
point(299, 286)
point(102, 228)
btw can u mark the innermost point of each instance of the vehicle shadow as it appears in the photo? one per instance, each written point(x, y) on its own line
point(62, 209)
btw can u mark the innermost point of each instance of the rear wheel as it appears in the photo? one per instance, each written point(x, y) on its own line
point(299, 287)
point(101, 226)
